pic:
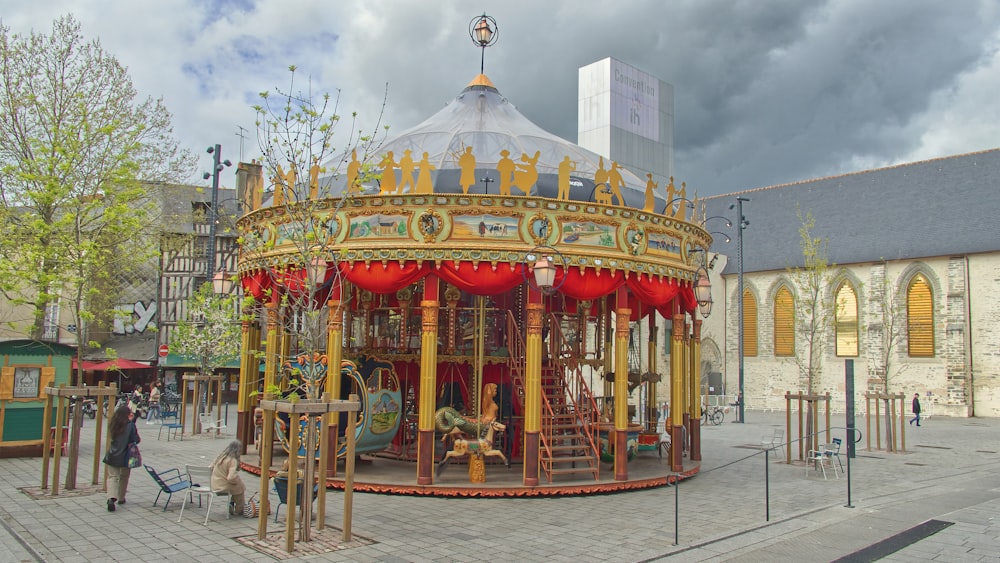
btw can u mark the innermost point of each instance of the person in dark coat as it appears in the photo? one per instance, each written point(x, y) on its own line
point(123, 433)
point(916, 409)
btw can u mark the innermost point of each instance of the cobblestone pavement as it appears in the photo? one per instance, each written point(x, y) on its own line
point(948, 473)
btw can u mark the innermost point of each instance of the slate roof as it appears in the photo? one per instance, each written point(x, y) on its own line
point(941, 207)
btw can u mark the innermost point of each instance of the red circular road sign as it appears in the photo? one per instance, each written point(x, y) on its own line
point(164, 350)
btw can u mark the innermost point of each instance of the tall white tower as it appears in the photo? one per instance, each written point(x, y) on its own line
point(627, 115)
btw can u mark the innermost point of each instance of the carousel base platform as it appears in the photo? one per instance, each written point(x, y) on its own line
point(387, 475)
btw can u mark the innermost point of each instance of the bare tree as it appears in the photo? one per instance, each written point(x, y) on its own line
point(814, 309)
point(296, 131)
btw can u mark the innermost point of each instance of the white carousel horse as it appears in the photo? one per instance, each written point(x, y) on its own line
point(480, 446)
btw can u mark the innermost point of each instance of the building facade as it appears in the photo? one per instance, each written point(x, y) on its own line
point(910, 289)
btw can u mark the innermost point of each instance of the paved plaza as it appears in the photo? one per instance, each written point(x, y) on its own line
point(939, 501)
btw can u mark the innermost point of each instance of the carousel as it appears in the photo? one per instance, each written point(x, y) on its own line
point(483, 292)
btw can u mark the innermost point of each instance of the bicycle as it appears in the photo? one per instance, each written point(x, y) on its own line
point(713, 415)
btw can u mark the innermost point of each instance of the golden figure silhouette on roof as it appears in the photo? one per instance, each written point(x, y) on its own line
point(601, 176)
point(353, 169)
point(615, 182)
point(668, 208)
point(405, 173)
point(682, 208)
point(650, 204)
point(282, 181)
point(424, 183)
point(467, 163)
point(314, 179)
point(566, 167)
point(505, 167)
point(525, 175)
point(388, 183)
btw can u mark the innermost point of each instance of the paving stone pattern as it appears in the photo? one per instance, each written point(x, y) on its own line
point(949, 473)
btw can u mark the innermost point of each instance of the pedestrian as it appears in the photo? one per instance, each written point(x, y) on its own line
point(916, 409)
point(226, 476)
point(154, 403)
point(123, 434)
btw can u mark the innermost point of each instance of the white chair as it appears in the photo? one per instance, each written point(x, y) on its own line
point(816, 459)
point(208, 423)
point(201, 485)
point(775, 441)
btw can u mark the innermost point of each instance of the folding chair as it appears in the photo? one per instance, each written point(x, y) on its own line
point(833, 451)
point(201, 485)
point(170, 481)
point(775, 441)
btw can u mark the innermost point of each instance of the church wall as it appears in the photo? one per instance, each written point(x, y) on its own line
point(984, 276)
point(960, 284)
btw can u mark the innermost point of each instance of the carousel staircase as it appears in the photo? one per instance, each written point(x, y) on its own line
point(568, 442)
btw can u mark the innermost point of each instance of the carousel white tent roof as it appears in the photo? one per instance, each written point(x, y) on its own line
point(481, 118)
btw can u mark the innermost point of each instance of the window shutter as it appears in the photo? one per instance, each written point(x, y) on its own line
point(784, 323)
point(920, 318)
point(749, 324)
point(846, 320)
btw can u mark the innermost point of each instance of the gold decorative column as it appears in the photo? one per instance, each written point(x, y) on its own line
point(430, 306)
point(271, 352)
point(334, 354)
point(677, 394)
point(622, 317)
point(686, 388)
point(248, 384)
point(695, 378)
point(533, 387)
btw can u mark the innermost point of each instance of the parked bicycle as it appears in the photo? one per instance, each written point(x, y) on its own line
point(715, 415)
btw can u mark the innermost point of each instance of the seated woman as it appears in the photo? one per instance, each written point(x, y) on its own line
point(226, 476)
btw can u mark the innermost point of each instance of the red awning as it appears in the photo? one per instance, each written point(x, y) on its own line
point(118, 364)
point(87, 365)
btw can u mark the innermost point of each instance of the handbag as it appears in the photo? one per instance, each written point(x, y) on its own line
point(133, 458)
point(250, 507)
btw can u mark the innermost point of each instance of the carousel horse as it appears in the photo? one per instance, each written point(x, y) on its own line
point(452, 423)
point(479, 447)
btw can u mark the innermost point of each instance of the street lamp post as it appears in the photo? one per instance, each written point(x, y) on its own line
point(741, 223)
point(213, 212)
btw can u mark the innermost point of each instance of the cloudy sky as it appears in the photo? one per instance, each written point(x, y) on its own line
point(766, 91)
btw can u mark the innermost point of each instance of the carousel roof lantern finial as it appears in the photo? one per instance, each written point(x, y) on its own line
point(483, 34)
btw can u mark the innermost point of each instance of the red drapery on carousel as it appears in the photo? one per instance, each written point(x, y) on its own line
point(484, 279)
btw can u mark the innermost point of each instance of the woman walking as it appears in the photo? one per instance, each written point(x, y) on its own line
point(226, 476)
point(123, 434)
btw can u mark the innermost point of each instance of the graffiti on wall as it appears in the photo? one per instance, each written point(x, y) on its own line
point(134, 317)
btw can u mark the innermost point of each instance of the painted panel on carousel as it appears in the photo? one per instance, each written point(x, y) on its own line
point(379, 226)
point(606, 436)
point(588, 233)
point(377, 386)
point(634, 241)
point(662, 243)
point(540, 229)
point(485, 226)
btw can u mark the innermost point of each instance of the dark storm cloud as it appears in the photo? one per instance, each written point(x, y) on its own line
point(766, 91)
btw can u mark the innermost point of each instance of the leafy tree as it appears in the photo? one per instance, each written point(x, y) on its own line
point(75, 142)
point(211, 332)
